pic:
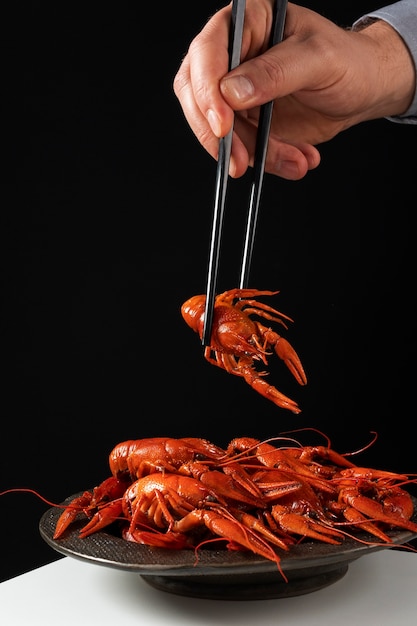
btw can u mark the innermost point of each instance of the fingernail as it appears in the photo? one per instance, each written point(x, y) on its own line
point(239, 87)
point(232, 167)
point(289, 169)
point(214, 122)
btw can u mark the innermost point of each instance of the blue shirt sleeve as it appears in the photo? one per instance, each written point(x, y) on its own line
point(402, 16)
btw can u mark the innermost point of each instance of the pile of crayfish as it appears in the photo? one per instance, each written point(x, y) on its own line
point(238, 342)
point(254, 495)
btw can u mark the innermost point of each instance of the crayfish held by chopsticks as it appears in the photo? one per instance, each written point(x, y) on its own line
point(239, 342)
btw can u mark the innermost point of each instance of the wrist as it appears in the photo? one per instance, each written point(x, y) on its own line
point(394, 75)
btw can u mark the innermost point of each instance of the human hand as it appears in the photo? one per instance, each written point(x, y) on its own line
point(323, 79)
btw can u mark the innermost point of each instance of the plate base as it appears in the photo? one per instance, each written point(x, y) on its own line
point(270, 586)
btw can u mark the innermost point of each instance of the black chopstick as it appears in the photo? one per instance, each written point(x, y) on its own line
point(261, 148)
point(225, 146)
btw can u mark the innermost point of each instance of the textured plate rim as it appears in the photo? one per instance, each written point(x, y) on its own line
point(104, 548)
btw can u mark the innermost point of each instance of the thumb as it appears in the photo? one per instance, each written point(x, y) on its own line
point(265, 78)
point(240, 92)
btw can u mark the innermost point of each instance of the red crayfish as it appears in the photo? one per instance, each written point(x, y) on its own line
point(238, 342)
point(256, 496)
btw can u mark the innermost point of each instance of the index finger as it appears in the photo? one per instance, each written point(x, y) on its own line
point(208, 59)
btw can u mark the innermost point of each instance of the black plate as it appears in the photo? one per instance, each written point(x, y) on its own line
point(218, 574)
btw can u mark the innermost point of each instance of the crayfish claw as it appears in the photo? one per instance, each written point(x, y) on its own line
point(98, 505)
point(70, 513)
point(102, 518)
point(286, 352)
point(253, 378)
point(238, 342)
point(304, 526)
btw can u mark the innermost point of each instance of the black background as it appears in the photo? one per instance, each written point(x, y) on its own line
point(106, 222)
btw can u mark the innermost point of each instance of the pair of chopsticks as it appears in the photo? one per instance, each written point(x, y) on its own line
point(222, 174)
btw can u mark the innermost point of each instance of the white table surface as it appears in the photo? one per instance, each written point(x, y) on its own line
point(378, 589)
